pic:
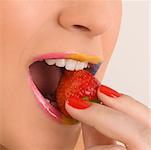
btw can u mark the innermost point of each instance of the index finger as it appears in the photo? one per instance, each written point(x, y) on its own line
point(127, 105)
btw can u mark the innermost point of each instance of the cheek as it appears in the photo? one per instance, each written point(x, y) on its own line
point(109, 39)
point(23, 19)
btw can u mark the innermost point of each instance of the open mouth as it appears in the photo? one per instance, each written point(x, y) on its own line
point(45, 75)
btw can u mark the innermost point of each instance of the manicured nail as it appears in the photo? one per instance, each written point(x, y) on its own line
point(109, 92)
point(79, 103)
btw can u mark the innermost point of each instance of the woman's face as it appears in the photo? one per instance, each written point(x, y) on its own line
point(32, 28)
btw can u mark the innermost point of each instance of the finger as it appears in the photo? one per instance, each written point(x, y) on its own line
point(109, 122)
point(107, 147)
point(128, 105)
point(92, 137)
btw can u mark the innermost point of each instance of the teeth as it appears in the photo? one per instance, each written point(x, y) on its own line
point(80, 65)
point(60, 62)
point(86, 65)
point(50, 61)
point(69, 64)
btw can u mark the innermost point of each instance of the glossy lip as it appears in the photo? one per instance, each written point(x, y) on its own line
point(44, 104)
point(69, 55)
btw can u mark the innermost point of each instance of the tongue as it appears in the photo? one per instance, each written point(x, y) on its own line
point(45, 77)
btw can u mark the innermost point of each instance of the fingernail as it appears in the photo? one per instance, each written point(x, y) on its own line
point(78, 103)
point(109, 92)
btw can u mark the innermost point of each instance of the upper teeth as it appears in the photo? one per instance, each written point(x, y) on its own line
point(69, 64)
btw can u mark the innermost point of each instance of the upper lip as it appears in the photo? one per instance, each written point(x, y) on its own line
point(70, 55)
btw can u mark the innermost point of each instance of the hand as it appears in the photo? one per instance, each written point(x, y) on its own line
point(119, 118)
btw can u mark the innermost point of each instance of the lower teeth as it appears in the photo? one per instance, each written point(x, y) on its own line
point(54, 104)
point(47, 100)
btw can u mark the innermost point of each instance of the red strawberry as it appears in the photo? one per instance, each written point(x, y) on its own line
point(76, 85)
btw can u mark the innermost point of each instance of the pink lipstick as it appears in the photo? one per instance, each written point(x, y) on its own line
point(69, 55)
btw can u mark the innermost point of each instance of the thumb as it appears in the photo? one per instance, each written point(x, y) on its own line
point(91, 137)
point(111, 123)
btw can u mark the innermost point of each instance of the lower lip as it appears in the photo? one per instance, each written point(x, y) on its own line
point(50, 110)
point(45, 105)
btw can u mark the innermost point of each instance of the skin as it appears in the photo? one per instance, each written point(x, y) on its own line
point(116, 119)
point(31, 28)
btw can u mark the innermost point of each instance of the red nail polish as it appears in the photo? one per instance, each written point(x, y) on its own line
point(78, 103)
point(109, 92)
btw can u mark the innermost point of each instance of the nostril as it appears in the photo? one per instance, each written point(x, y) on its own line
point(80, 27)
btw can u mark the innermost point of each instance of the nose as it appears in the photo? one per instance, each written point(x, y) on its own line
point(93, 18)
